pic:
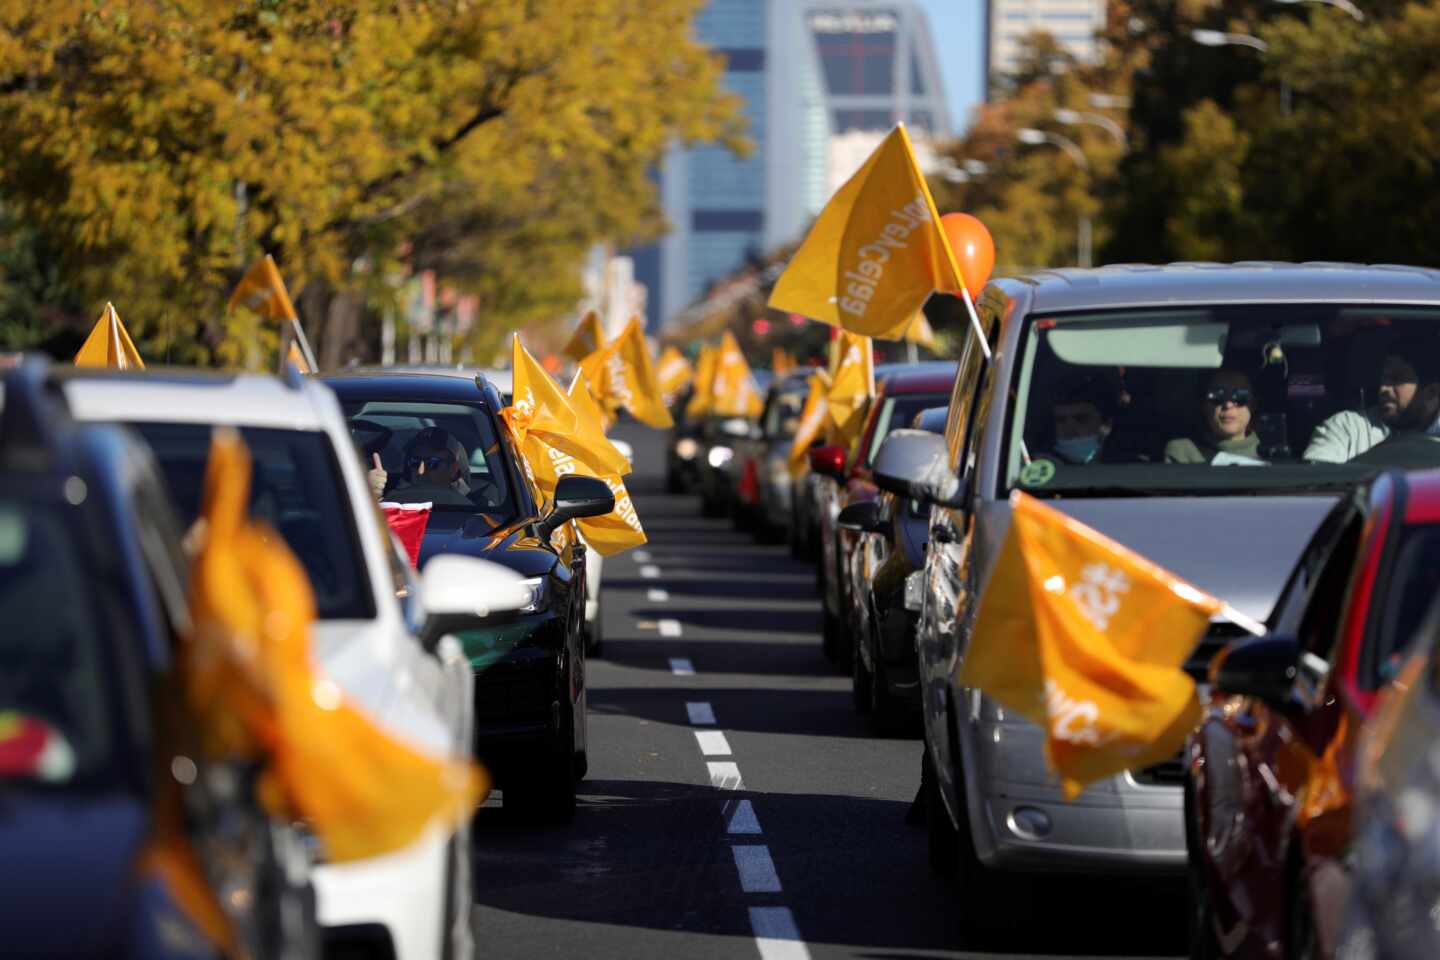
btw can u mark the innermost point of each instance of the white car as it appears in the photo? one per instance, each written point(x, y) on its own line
point(310, 486)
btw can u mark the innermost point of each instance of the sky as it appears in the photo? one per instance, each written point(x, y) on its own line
point(959, 39)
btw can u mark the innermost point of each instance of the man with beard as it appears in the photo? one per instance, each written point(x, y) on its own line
point(1404, 418)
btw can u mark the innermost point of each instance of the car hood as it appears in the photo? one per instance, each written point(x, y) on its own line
point(513, 545)
point(70, 863)
point(1238, 549)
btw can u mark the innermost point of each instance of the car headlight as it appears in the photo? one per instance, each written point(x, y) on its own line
point(686, 448)
point(719, 456)
point(539, 590)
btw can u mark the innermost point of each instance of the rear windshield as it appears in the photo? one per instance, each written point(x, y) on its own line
point(899, 411)
point(1223, 400)
point(297, 489)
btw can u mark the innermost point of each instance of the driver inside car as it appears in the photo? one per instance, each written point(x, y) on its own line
point(433, 458)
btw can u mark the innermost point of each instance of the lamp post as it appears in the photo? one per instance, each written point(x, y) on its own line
point(1219, 38)
point(1032, 137)
point(1074, 117)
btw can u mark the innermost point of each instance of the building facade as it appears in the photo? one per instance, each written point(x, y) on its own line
point(1073, 23)
point(809, 73)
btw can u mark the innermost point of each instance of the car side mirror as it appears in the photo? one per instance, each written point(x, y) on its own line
point(863, 517)
point(453, 585)
point(915, 465)
point(577, 497)
point(829, 461)
point(1264, 668)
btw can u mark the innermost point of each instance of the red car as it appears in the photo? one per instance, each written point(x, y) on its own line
point(903, 392)
point(1270, 769)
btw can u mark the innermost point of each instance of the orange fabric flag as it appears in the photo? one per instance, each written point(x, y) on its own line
point(540, 411)
point(619, 529)
point(262, 291)
point(812, 421)
point(701, 397)
point(1087, 639)
point(733, 391)
point(109, 345)
point(254, 685)
point(673, 371)
point(851, 387)
point(623, 377)
point(588, 337)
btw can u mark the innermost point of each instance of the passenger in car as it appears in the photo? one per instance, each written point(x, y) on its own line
point(1227, 407)
point(1408, 399)
point(433, 458)
point(1084, 412)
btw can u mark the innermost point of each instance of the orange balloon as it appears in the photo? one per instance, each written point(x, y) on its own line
point(974, 249)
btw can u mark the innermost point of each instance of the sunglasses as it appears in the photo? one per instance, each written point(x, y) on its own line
point(431, 463)
point(1240, 396)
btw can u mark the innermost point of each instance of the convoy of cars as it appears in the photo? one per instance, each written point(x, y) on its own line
point(1230, 423)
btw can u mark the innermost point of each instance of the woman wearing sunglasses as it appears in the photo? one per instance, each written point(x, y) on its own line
point(1227, 405)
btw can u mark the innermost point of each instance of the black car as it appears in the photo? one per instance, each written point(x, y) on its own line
point(98, 751)
point(895, 532)
point(530, 701)
point(682, 449)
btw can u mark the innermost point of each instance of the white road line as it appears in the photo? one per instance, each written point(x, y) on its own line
point(743, 819)
point(700, 713)
point(682, 667)
point(650, 572)
point(669, 628)
point(641, 556)
point(776, 934)
point(724, 775)
point(657, 596)
point(713, 743)
point(757, 870)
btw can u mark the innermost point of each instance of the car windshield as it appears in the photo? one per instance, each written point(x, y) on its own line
point(296, 490)
point(783, 416)
point(895, 412)
point(55, 725)
point(1223, 400)
point(447, 454)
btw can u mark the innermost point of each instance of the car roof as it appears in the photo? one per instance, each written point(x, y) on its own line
point(431, 385)
point(184, 395)
point(929, 377)
point(1145, 285)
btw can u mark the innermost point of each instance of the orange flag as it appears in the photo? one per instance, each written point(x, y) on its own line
point(263, 291)
point(700, 404)
point(673, 371)
point(812, 421)
point(542, 411)
point(733, 391)
point(619, 529)
point(1087, 639)
point(623, 377)
point(588, 337)
point(109, 345)
point(851, 387)
point(254, 684)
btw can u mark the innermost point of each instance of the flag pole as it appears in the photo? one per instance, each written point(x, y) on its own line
point(298, 333)
point(975, 321)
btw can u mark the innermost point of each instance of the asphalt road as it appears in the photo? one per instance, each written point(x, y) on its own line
point(736, 805)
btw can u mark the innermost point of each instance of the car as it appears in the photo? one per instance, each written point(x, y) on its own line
point(311, 488)
point(1264, 870)
point(1145, 342)
point(763, 494)
point(530, 665)
point(1389, 913)
point(902, 390)
point(887, 580)
point(682, 447)
point(719, 472)
point(94, 597)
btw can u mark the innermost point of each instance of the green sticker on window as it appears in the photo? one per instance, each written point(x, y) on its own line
point(1037, 473)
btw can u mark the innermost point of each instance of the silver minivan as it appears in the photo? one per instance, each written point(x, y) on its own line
point(1174, 409)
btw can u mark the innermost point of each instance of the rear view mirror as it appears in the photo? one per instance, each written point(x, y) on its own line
point(915, 465)
point(828, 461)
point(1264, 668)
point(863, 517)
point(453, 585)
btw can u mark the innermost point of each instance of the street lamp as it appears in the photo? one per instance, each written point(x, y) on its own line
point(1032, 137)
point(1073, 117)
point(1345, 5)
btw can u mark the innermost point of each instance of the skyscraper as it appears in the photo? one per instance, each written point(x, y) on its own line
point(809, 71)
point(1071, 22)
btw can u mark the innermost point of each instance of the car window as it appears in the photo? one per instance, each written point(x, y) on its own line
point(1288, 392)
point(397, 430)
point(896, 411)
point(1320, 620)
point(1285, 618)
point(55, 699)
point(782, 416)
point(296, 489)
point(1412, 584)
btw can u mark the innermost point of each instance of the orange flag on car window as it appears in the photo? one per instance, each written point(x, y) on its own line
point(588, 337)
point(673, 371)
point(734, 392)
point(109, 345)
point(623, 378)
point(876, 252)
point(263, 291)
point(812, 421)
point(1087, 639)
point(851, 387)
point(252, 680)
point(701, 397)
point(619, 529)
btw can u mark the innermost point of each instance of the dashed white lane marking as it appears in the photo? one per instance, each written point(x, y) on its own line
point(724, 775)
point(682, 667)
point(743, 819)
point(713, 743)
point(657, 596)
point(669, 628)
point(776, 934)
point(641, 556)
point(650, 572)
point(700, 713)
point(757, 870)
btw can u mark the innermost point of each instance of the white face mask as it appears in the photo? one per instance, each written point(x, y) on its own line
point(1079, 449)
